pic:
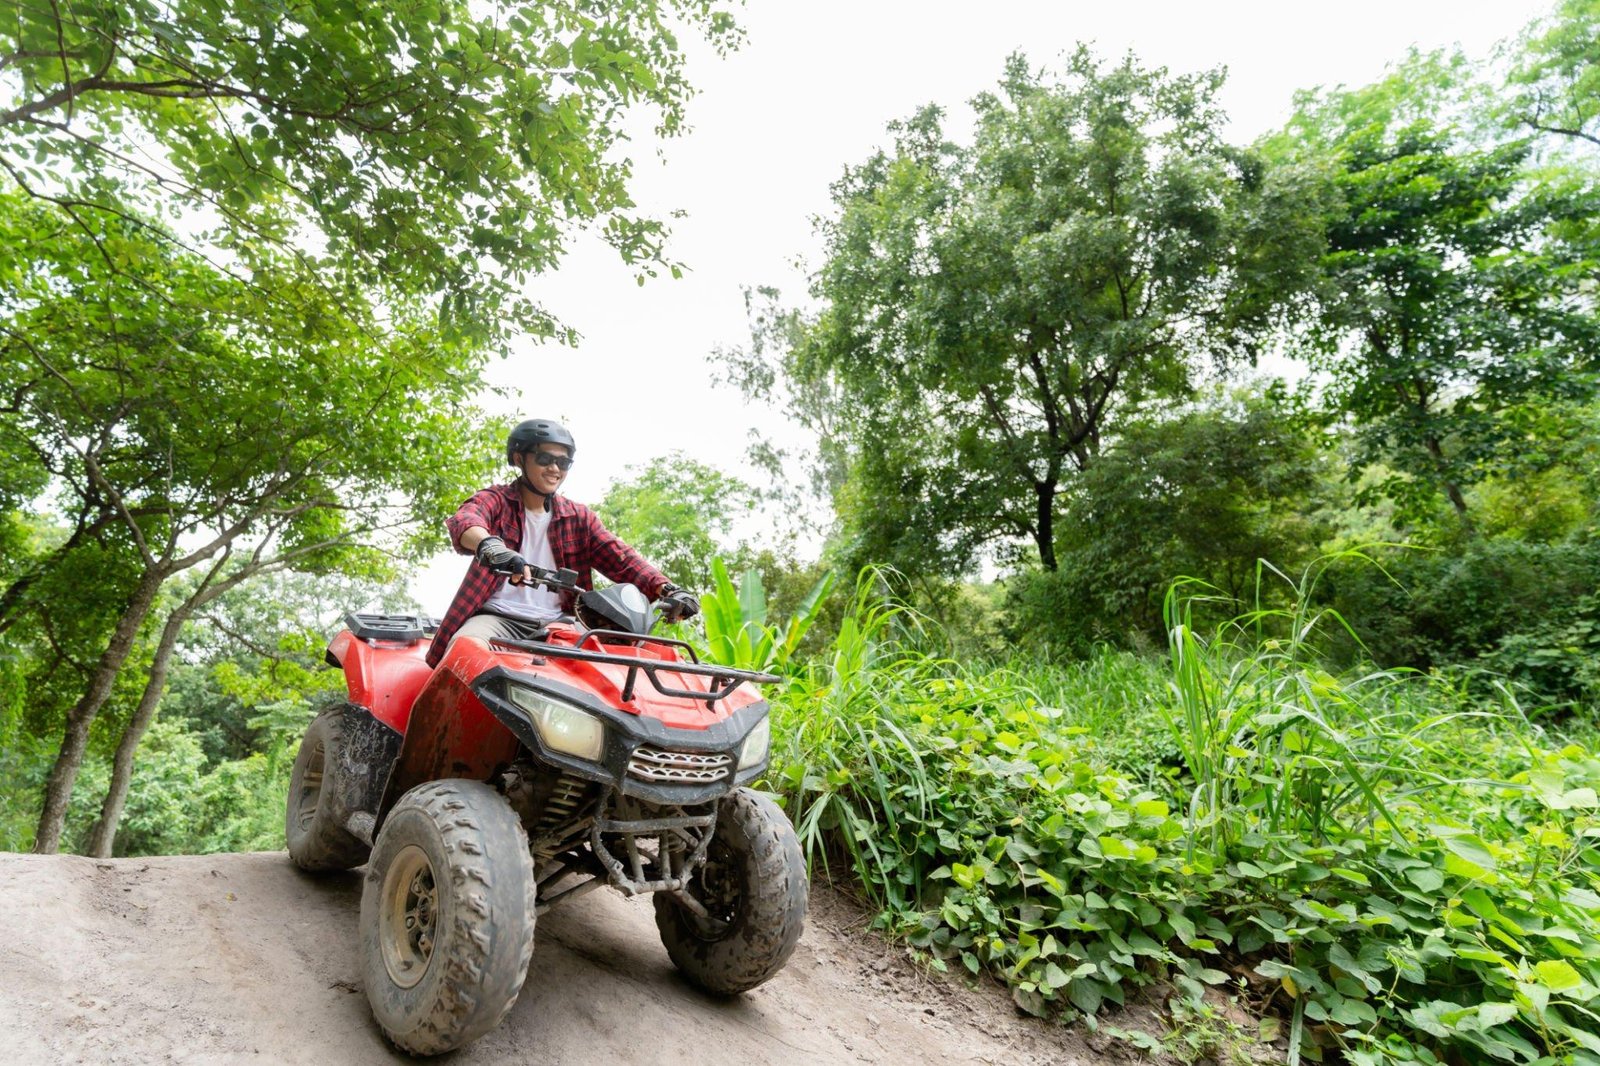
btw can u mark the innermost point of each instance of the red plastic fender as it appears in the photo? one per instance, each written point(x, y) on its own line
point(384, 677)
point(451, 733)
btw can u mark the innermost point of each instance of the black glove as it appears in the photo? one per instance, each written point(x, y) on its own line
point(678, 603)
point(493, 553)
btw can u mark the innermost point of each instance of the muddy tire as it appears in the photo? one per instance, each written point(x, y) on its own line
point(316, 840)
point(446, 916)
point(754, 885)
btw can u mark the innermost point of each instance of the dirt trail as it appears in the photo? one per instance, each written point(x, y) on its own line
point(241, 958)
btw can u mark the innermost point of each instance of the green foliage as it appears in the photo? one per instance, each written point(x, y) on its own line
point(1556, 656)
point(1452, 309)
point(1555, 83)
point(1413, 870)
point(1521, 608)
point(441, 150)
point(992, 311)
point(737, 631)
point(212, 773)
point(261, 645)
point(1347, 805)
point(208, 408)
point(179, 803)
point(679, 513)
point(1205, 491)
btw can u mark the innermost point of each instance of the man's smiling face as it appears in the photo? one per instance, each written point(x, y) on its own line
point(542, 470)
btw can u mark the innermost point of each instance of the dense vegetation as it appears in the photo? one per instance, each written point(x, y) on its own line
point(1125, 663)
point(1401, 865)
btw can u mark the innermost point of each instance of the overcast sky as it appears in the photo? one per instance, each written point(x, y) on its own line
point(811, 92)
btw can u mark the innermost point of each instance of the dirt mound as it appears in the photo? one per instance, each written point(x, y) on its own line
point(241, 958)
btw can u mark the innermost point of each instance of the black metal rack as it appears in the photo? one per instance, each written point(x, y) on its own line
point(724, 679)
point(403, 628)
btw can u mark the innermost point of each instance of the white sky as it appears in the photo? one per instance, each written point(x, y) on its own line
point(811, 92)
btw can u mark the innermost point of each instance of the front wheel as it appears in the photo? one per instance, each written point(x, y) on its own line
point(752, 888)
point(446, 916)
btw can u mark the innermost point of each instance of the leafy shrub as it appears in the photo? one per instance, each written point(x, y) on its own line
point(1527, 609)
point(1412, 872)
point(1205, 490)
point(735, 616)
point(1559, 655)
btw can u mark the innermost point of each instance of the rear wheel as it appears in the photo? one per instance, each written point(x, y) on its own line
point(316, 840)
point(446, 916)
point(752, 889)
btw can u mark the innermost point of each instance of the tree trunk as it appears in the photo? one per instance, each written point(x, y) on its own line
point(1451, 489)
point(58, 789)
point(105, 828)
point(1045, 527)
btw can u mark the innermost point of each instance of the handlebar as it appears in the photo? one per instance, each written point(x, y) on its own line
point(562, 580)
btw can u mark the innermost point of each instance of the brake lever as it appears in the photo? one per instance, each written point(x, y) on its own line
point(562, 580)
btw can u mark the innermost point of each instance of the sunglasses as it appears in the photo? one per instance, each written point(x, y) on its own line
point(560, 462)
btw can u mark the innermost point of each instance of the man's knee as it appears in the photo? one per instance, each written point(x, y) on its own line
point(487, 627)
point(484, 627)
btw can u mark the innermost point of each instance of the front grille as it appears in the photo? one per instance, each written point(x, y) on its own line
point(679, 767)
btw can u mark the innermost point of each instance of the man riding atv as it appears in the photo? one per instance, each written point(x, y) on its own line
point(553, 533)
point(545, 744)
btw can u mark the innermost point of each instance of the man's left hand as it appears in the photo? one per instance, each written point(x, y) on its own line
point(679, 604)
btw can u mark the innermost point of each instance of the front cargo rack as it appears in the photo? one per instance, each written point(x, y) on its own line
point(724, 679)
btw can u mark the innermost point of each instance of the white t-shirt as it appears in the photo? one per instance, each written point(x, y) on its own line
point(531, 603)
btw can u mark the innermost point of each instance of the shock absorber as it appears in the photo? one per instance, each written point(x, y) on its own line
point(562, 805)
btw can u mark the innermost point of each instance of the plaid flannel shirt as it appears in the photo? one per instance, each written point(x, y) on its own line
point(577, 539)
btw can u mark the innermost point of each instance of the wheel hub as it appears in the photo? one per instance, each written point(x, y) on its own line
point(718, 890)
point(410, 913)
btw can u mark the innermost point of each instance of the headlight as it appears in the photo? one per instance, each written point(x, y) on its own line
point(562, 726)
point(754, 748)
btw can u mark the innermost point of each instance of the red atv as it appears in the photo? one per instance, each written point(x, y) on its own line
point(519, 774)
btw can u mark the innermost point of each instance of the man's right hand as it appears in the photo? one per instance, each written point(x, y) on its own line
point(493, 553)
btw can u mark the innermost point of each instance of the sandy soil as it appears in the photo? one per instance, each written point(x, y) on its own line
point(241, 958)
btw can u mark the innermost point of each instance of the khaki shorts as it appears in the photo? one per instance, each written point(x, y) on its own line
point(487, 627)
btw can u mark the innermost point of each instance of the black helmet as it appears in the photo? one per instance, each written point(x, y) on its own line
point(534, 432)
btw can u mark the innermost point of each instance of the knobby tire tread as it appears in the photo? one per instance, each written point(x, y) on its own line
point(763, 935)
point(325, 845)
point(491, 879)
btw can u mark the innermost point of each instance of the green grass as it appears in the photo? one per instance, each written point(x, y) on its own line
point(1402, 865)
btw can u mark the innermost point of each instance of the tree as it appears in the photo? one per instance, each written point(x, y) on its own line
point(1203, 492)
point(441, 149)
point(261, 646)
point(1453, 304)
point(221, 430)
point(989, 312)
point(1555, 82)
point(679, 513)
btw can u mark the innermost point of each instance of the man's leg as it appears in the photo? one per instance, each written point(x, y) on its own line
point(487, 627)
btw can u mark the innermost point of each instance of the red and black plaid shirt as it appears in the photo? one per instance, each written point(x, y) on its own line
point(577, 539)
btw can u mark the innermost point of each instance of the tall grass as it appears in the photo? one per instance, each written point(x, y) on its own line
point(737, 630)
point(1408, 868)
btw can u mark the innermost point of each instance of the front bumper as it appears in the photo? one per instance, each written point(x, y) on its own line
point(642, 758)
